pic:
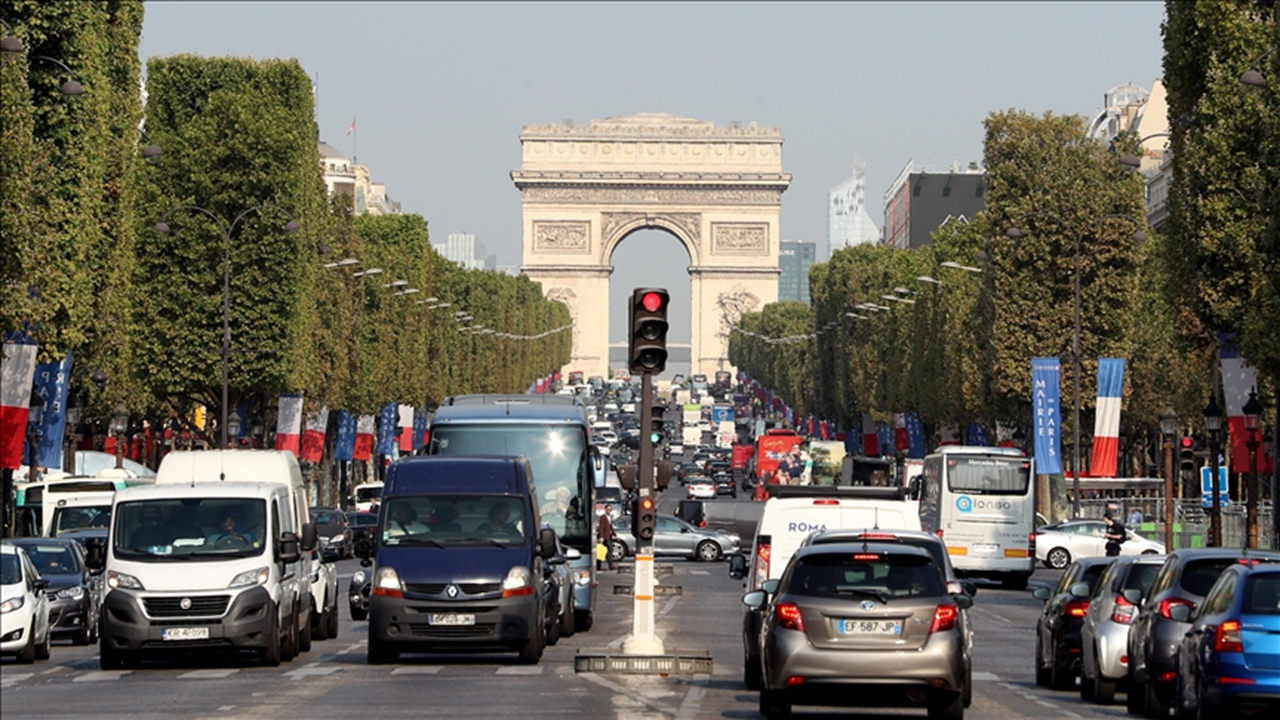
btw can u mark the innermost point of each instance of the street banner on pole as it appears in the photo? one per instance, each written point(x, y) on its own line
point(419, 427)
point(870, 437)
point(387, 430)
point(1238, 378)
point(345, 446)
point(900, 441)
point(17, 368)
point(916, 446)
point(1046, 404)
point(978, 434)
point(313, 439)
point(1106, 425)
point(51, 382)
point(406, 429)
point(366, 426)
point(289, 424)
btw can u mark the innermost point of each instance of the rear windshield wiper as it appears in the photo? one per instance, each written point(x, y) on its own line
point(869, 593)
point(418, 541)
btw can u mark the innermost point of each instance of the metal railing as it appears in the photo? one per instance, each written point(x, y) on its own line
point(1191, 525)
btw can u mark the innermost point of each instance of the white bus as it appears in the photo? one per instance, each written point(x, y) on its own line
point(981, 502)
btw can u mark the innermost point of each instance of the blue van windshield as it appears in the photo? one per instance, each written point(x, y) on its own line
point(558, 455)
point(455, 519)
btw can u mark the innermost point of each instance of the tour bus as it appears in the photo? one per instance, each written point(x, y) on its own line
point(71, 500)
point(552, 432)
point(981, 502)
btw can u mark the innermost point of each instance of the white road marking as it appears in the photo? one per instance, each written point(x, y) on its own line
point(209, 674)
point(520, 670)
point(225, 708)
point(416, 670)
point(311, 670)
point(102, 676)
point(13, 678)
point(627, 692)
point(699, 572)
point(693, 698)
point(985, 677)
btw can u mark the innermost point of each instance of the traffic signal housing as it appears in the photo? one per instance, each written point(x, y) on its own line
point(648, 326)
point(644, 519)
point(666, 469)
point(1186, 455)
point(626, 476)
point(656, 425)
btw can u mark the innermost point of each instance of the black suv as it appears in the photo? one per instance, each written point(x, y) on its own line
point(1058, 629)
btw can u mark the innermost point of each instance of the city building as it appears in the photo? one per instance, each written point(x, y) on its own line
point(1122, 106)
point(341, 176)
point(848, 222)
point(921, 199)
point(795, 258)
point(467, 252)
point(1151, 125)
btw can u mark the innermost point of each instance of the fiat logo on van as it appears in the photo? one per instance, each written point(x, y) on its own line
point(185, 603)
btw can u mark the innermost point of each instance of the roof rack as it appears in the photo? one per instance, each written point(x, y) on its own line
point(856, 492)
point(514, 398)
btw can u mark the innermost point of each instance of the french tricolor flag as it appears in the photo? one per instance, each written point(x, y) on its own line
point(289, 424)
point(870, 436)
point(1237, 380)
point(1106, 425)
point(313, 439)
point(365, 426)
point(949, 435)
point(900, 431)
point(406, 428)
point(17, 372)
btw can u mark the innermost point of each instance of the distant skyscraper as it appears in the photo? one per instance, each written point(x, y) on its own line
point(466, 251)
point(795, 258)
point(848, 222)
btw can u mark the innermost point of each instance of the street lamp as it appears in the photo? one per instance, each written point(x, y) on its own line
point(1213, 423)
point(10, 45)
point(1168, 428)
point(1133, 162)
point(162, 227)
point(1252, 414)
point(1013, 233)
point(119, 425)
point(71, 87)
point(951, 264)
point(1252, 79)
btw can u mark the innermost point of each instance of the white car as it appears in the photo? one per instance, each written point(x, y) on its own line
point(1058, 544)
point(701, 488)
point(24, 607)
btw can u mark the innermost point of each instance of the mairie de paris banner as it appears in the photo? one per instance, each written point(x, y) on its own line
point(1046, 406)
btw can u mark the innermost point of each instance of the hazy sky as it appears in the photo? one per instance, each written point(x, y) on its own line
point(441, 91)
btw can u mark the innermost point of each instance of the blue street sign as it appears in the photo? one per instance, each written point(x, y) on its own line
point(1206, 488)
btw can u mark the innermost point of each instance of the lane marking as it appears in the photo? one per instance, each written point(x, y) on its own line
point(520, 670)
point(101, 676)
point(985, 677)
point(209, 674)
point(620, 690)
point(417, 670)
point(13, 678)
point(225, 708)
point(693, 698)
point(310, 670)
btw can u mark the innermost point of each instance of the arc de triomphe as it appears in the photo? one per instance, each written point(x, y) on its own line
point(718, 190)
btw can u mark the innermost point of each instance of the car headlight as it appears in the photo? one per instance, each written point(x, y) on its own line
point(519, 582)
point(123, 581)
point(74, 592)
point(358, 578)
point(11, 604)
point(249, 578)
point(386, 582)
point(337, 538)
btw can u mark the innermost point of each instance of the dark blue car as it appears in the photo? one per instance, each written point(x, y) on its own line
point(459, 559)
point(1230, 658)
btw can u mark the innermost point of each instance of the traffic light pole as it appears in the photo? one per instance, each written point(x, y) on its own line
point(644, 640)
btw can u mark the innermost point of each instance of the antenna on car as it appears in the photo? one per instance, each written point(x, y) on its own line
point(876, 519)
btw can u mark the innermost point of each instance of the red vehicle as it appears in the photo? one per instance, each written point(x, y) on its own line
point(770, 448)
point(741, 456)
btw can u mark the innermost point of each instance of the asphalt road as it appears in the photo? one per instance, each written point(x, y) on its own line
point(334, 681)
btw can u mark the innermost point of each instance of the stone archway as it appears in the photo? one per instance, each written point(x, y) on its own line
point(718, 190)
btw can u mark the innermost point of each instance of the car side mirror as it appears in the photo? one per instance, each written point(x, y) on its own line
point(546, 543)
point(363, 544)
point(95, 554)
point(1133, 595)
point(40, 584)
point(1180, 613)
point(737, 567)
point(310, 537)
point(572, 554)
point(964, 602)
point(287, 549)
point(970, 588)
point(1041, 593)
point(1081, 590)
point(770, 586)
point(755, 600)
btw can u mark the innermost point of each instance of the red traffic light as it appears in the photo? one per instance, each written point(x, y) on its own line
point(1186, 442)
point(651, 301)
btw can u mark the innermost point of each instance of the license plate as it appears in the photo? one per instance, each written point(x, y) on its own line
point(986, 548)
point(185, 633)
point(451, 619)
point(870, 627)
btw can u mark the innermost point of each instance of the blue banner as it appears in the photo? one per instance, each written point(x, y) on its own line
point(388, 417)
point(345, 448)
point(978, 434)
point(853, 441)
point(419, 426)
point(884, 435)
point(1046, 404)
point(916, 447)
point(51, 383)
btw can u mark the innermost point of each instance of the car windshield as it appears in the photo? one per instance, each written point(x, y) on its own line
point(608, 495)
point(455, 519)
point(1262, 594)
point(1140, 577)
point(52, 558)
point(366, 493)
point(75, 518)
point(189, 528)
point(1200, 575)
point(988, 475)
point(883, 575)
point(10, 570)
point(326, 517)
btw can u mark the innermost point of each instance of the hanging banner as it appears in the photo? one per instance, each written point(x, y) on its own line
point(1238, 378)
point(313, 438)
point(366, 426)
point(419, 427)
point(899, 431)
point(949, 435)
point(289, 424)
point(1046, 405)
point(406, 429)
point(870, 442)
point(978, 434)
point(1106, 424)
point(884, 435)
point(51, 382)
point(916, 446)
point(345, 445)
point(17, 368)
point(387, 430)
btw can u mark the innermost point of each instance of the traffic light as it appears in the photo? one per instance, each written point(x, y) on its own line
point(648, 343)
point(656, 426)
point(626, 476)
point(666, 469)
point(644, 519)
point(1187, 456)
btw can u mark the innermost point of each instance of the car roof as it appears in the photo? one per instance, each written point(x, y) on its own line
point(28, 541)
point(863, 547)
point(827, 537)
point(8, 548)
point(510, 412)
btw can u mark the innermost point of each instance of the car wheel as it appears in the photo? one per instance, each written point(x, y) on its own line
point(1043, 676)
point(1104, 690)
point(304, 636)
point(569, 620)
point(28, 654)
point(751, 673)
point(289, 650)
point(585, 620)
point(1061, 676)
point(271, 653)
point(43, 649)
point(85, 636)
point(1058, 558)
point(708, 551)
point(1134, 696)
point(359, 614)
point(553, 629)
point(108, 658)
point(381, 653)
point(1153, 705)
point(953, 710)
point(319, 625)
point(617, 551)
point(333, 622)
point(1086, 680)
point(967, 694)
point(531, 653)
point(772, 708)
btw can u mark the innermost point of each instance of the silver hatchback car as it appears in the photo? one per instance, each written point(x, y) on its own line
point(1104, 636)
point(861, 624)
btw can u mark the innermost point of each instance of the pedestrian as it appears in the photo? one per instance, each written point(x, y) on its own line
point(1115, 534)
point(1135, 516)
point(604, 537)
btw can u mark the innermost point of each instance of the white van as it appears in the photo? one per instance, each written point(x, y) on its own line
point(367, 494)
point(213, 557)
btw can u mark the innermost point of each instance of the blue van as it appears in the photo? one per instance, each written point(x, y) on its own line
point(459, 557)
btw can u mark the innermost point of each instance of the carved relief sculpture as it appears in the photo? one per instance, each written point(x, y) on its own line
point(739, 238)
point(570, 299)
point(570, 237)
point(732, 306)
point(689, 224)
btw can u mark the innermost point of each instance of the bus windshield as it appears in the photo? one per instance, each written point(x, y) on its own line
point(988, 475)
point(559, 457)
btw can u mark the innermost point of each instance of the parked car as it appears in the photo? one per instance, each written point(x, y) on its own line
point(561, 577)
point(1105, 634)
point(358, 591)
point(331, 527)
point(75, 592)
point(358, 520)
point(1230, 658)
point(1058, 544)
point(324, 583)
point(861, 623)
point(1057, 659)
point(1156, 635)
point(24, 607)
point(676, 537)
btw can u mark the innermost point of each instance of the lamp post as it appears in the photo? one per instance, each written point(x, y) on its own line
point(1168, 428)
point(1213, 423)
point(1252, 414)
point(162, 227)
point(1013, 233)
point(119, 426)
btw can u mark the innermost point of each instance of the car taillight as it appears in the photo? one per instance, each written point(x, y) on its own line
point(1228, 637)
point(944, 618)
point(826, 502)
point(1077, 608)
point(1031, 545)
point(1167, 605)
point(788, 615)
point(877, 536)
point(762, 565)
point(1123, 611)
point(939, 533)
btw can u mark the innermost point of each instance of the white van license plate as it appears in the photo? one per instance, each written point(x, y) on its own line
point(451, 619)
point(985, 548)
point(870, 627)
point(185, 633)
